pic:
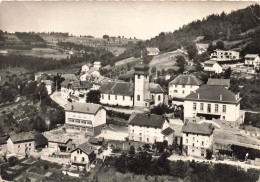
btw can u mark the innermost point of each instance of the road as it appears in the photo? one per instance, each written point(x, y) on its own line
point(56, 96)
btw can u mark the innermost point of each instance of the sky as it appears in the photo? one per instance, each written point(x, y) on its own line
point(142, 20)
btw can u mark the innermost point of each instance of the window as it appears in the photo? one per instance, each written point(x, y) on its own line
point(115, 97)
point(138, 97)
point(159, 97)
point(83, 121)
point(132, 137)
point(75, 158)
point(102, 96)
point(29, 144)
point(193, 144)
point(108, 97)
point(175, 91)
point(131, 98)
point(202, 143)
point(216, 107)
point(187, 134)
point(209, 108)
point(192, 151)
point(183, 86)
point(176, 86)
point(183, 92)
point(89, 122)
point(83, 159)
point(201, 106)
point(224, 117)
point(18, 146)
point(186, 140)
point(25, 145)
point(140, 138)
point(123, 97)
point(147, 139)
point(224, 108)
point(194, 106)
point(138, 76)
point(193, 138)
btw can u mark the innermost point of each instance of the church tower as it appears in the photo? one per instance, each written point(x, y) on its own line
point(141, 84)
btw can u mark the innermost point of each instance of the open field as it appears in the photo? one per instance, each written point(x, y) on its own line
point(43, 52)
point(116, 50)
point(124, 62)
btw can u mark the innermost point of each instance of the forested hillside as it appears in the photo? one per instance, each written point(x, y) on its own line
point(241, 26)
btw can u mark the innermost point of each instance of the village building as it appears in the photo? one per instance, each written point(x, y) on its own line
point(76, 90)
point(201, 47)
point(97, 65)
point(222, 82)
point(197, 138)
point(212, 66)
point(40, 141)
point(252, 60)
point(182, 86)
point(83, 155)
point(59, 143)
point(70, 77)
point(85, 117)
point(220, 55)
point(149, 128)
point(212, 102)
point(84, 68)
point(21, 143)
point(152, 51)
point(91, 73)
point(157, 94)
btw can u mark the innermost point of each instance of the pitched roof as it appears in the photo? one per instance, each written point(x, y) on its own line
point(96, 141)
point(117, 88)
point(210, 62)
point(22, 137)
point(150, 120)
point(204, 128)
point(89, 108)
point(167, 131)
point(85, 147)
point(223, 82)
point(156, 88)
point(213, 93)
point(40, 140)
point(251, 55)
point(153, 49)
point(81, 84)
point(186, 80)
point(65, 83)
point(58, 139)
point(69, 76)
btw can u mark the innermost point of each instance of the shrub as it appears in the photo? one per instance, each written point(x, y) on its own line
point(13, 161)
point(46, 167)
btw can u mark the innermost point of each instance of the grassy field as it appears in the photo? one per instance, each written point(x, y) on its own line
point(9, 72)
point(116, 50)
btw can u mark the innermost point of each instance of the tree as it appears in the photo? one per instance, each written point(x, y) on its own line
point(178, 168)
point(105, 36)
point(13, 161)
point(93, 96)
point(220, 45)
point(209, 153)
point(192, 50)
point(227, 73)
point(132, 150)
point(160, 109)
point(180, 61)
point(41, 92)
point(30, 88)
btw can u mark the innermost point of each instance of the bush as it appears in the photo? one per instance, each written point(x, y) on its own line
point(178, 168)
point(46, 167)
point(13, 161)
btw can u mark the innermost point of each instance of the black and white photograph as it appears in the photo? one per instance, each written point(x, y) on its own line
point(129, 91)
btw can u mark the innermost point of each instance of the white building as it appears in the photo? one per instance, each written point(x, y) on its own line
point(183, 85)
point(117, 93)
point(85, 117)
point(97, 65)
point(212, 102)
point(149, 128)
point(212, 66)
point(197, 138)
point(222, 82)
point(84, 68)
point(152, 51)
point(21, 143)
point(220, 55)
point(83, 155)
point(252, 60)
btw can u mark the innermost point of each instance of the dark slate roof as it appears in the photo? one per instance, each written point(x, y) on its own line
point(156, 88)
point(222, 82)
point(69, 76)
point(96, 141)
point(186, 80)
point(203, 128)
point(167, 131)
point(141, 68)
point(151, 120)
point(117, 88)
point(213, 93)
point(65, 83)
point(89, 108)
point(85, 147)
point(22, 137)
point(81, 84)
point(40, 140)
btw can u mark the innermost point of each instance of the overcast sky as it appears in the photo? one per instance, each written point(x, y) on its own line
point(130, 19)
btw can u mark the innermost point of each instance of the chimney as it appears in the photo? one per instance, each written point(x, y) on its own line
point(220, 97)
point(198, 95)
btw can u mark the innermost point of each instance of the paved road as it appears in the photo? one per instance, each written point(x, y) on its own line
point(56, 96)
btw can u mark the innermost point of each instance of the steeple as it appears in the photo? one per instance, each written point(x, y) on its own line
point(141, 68)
